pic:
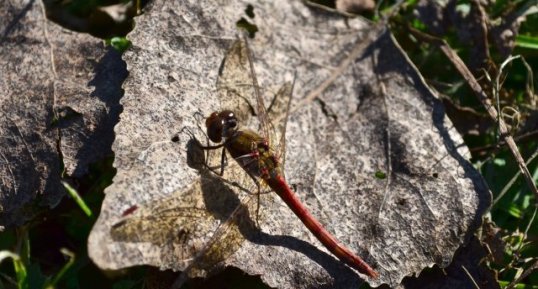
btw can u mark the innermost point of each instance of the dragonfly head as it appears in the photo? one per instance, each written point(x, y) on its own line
point(221, 125)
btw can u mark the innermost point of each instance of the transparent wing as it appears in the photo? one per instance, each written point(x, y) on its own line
point(198, 228)
point(238, 89)
point(234, 84)
point(278, 114)
point(265, 125)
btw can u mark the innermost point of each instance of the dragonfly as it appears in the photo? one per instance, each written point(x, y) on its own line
point(256, 156)
point(254, 153)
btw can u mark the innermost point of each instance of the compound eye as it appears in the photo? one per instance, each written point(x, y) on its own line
point(214, 127)
point(228, 119)
point(214, 117)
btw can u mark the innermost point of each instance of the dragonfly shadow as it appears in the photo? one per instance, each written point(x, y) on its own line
point(343, 276)
point(220, 199)
point(223, 203)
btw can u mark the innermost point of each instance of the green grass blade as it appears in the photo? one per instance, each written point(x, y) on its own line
point(66, 266)
point(18, 265)
point(74, 194)
point(517, 286)
point(527, 41)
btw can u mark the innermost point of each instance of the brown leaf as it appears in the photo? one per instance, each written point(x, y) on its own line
point(59, 99)
point(469, 257)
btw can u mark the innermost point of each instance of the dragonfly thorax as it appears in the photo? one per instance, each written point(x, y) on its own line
point(221, 125)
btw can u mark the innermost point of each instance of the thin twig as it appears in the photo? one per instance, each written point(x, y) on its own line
point(518, 138)
point(470, 277)
point(512, 181)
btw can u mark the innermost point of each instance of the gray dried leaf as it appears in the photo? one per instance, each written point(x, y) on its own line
point(469, 257)
point(59, 95)
point(359, 109)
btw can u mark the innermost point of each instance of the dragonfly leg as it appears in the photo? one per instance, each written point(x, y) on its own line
point(223, 164)
point(206, 148)
point(210, 147)
point(200, 120)
point(223, 161)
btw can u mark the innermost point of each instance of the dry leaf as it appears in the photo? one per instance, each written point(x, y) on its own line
point(469, 257)
point(359, 109)
point(59, 94)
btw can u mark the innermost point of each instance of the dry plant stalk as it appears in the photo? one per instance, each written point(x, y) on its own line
point(483, 98)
